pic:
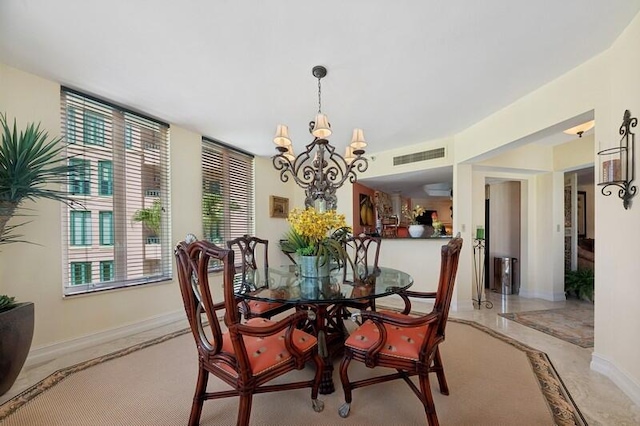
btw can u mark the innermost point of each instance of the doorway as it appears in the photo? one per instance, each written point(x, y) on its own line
point(503, 230)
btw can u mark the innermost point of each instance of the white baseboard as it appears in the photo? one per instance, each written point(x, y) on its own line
point(47, 353)
point(424, 305)
point(551, 296)
point(462, 306)
point(621, 379)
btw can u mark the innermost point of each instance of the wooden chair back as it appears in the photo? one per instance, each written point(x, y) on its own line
point(364, 252)
point(248, 355)
point(379, 341)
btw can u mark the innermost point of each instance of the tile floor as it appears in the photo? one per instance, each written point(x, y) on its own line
point(600, 401)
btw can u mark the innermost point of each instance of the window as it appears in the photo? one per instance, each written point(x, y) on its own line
point(80, 273)
point(128, 136)
point(80, 232)
point(227, 192)
point(105, 185)
point(106, 270)
point(71, 125)
point(93, 128)
point(80, 178)
point(106, 228)
point(123, 156)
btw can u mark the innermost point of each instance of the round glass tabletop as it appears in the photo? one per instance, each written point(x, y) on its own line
point(285, 284)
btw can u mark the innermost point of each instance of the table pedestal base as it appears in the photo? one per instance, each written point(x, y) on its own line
point(328, 327)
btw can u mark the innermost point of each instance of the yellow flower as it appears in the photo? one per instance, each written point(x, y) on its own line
point(412, 215)
point(317, 234)
point(315, 226)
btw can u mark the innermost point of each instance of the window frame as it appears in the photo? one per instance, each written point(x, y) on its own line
point(80, 220)
point(111, 147)
point(228, 192)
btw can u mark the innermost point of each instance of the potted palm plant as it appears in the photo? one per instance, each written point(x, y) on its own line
point(29, 161)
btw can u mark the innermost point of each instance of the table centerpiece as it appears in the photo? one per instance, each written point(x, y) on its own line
point(317, 238)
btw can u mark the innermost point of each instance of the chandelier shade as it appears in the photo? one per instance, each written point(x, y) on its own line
point(319, 170)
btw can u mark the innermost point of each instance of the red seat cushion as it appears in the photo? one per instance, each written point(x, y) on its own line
point(258, 307)
point(268, 352)
point(402, 342)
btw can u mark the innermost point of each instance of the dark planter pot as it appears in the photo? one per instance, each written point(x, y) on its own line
point(16, 333)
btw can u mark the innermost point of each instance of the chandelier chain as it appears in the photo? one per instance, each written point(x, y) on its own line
point(319, 96)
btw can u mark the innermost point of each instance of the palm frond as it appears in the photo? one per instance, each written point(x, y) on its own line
point(29, 161)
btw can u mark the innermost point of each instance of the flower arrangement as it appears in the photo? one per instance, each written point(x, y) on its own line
point(412, 215)
point(316, 233)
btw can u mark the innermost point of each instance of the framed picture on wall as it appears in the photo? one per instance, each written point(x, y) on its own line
point(278, 207)
point(582, 214)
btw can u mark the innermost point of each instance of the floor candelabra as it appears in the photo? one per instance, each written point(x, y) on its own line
point(478, 270)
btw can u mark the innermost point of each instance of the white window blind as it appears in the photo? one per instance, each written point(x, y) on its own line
point(124, 174)
point(227, 192)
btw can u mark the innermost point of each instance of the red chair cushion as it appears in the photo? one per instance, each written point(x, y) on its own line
point(402, 342)
point(257, 307)
point(268, 352)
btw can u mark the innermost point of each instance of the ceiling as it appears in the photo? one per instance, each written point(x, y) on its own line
point(406, 72)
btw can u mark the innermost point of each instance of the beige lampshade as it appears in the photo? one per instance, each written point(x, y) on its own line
point(348, 155)
point(289, 154)
point(357, 140)
point(282, 136)
point(321, 128)
point(581, 128)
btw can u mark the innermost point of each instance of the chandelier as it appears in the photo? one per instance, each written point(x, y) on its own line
point(319, 170)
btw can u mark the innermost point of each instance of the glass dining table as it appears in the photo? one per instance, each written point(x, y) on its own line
point(324, 298)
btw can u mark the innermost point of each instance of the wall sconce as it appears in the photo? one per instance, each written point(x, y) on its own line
point(618, 165)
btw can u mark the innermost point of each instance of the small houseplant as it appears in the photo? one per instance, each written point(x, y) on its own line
point(579, 283)
point(317, 238)
point(29, 161)
point(150, 217)
point(415, 228)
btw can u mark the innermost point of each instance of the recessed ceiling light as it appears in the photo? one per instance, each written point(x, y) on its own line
point(580, 129)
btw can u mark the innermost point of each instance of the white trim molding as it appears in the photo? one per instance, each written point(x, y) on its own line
point(623, 380)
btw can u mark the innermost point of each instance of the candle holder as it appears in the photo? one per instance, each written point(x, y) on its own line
point(618, 164)
point(478, 270)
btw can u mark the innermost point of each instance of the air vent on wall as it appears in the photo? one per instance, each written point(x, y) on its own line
point(419, 156)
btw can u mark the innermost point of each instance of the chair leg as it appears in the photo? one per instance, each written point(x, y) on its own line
point(439, 370)
point(198, 397)
point(346, 385)
point(317, 404)
point(429, 406)
point(244, 410)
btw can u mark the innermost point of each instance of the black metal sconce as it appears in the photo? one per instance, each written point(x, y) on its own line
point(618, 164)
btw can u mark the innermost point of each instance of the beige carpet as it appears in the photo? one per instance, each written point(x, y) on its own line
point(493, 380)
point(573, 325)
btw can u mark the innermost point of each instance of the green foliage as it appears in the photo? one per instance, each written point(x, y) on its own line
point(213, 215)
point(29, 160)
point(331, 248)
point(150, 217)
point(6, 302)
point(579, 283)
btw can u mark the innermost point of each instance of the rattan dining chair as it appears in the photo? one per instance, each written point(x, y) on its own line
point(247, 247)
point(407, 344)
point(248, 355)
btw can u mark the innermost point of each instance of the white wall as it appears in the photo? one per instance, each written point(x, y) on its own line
point(607, 84)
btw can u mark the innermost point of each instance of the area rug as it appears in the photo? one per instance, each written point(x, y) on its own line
point(152, 384)
point(573, 325)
